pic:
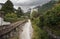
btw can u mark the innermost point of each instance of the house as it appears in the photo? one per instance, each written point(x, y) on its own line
point(1, 12)
point(1, 4)
point(2, 22)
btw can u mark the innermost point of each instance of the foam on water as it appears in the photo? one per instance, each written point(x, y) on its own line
point(27, 31)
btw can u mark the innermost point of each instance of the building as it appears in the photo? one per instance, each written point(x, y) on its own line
point(1, 5)
point(1, 12)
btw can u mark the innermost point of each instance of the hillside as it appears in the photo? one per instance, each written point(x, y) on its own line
point(45, 7)
point(49, 22)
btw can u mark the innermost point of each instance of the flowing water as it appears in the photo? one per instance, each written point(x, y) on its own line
point(27, 31)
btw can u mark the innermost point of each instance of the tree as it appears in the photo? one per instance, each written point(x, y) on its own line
point(8, 7)
point(19, 12)
point(53, 18)
point(41, 22)
point(35, 14)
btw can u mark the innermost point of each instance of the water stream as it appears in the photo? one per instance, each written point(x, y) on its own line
point(27, 31)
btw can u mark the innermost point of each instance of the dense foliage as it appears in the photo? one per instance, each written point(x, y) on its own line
point(35, 14)
point(11, 17)
point(8, 7)
point(19, 12)
point(51, 19)
point(38, 32)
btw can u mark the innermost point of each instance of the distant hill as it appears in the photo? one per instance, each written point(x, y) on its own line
point(45, 7)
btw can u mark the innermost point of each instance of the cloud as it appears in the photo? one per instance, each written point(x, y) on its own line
point(25, 4)
point(31, 3)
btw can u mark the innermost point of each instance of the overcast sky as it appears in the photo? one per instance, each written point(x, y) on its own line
point(26, 4)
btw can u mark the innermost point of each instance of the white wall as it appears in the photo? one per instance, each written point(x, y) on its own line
point(0, 6)
point(2, 22)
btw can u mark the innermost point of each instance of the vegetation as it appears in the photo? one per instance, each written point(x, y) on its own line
point(8, 7)
point(19, 12)
point(45, 7)
point(52, 19)
point(27, 14)
point(38, 32)
point(11, 17)
point(35, 14)
point(49, 17)
point(11, 14)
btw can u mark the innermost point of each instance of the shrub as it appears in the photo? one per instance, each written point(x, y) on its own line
point(10, 17)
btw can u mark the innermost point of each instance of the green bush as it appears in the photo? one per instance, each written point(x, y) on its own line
point(11, 17)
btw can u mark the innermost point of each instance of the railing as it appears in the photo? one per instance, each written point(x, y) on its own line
point(11, 27)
